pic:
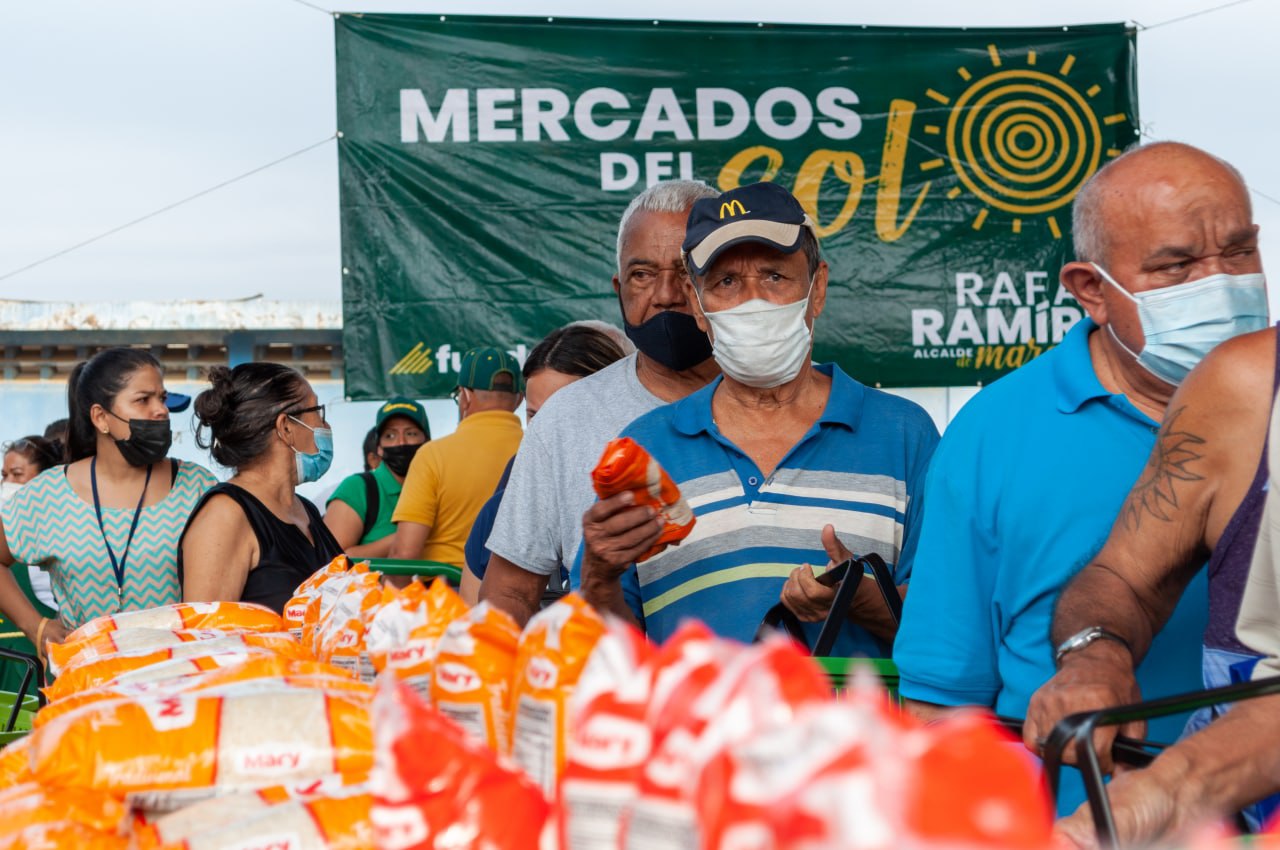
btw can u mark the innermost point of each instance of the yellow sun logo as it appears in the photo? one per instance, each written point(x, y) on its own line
point(1021, 140)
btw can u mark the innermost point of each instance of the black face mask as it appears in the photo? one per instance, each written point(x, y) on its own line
point(673, 339)
point(398, 458)
point(148, 443)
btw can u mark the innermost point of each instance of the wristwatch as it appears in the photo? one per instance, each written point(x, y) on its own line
point(1083, 638)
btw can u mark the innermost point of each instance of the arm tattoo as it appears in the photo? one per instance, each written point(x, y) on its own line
point(1175, 452)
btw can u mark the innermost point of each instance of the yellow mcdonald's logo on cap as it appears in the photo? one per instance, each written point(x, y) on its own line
point(399, 406)
point(732, 208)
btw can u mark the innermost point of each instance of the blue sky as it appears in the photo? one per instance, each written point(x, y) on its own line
point(113, 110)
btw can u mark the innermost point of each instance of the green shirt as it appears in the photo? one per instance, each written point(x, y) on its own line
point(351, 492)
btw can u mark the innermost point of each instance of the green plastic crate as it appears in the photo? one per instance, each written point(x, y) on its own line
point(422, 569)
point(30, 704)
point(838, 670)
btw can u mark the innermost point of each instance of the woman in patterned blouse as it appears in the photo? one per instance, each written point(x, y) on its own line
point(106, 525)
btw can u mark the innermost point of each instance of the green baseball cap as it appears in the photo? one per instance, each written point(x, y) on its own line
point(406, 407)
point(480, 366)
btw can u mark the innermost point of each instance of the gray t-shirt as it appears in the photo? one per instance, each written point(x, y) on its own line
point(539, 524)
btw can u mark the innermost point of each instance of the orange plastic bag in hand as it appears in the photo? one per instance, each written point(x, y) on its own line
point(437, 788)
point(625, 465)
point(471, 681)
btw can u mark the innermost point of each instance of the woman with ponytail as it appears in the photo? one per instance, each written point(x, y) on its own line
point(253, 538)
point(106, 525)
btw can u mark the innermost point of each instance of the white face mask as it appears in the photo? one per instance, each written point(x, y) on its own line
point(1182, 323)
point(759, 343)
point(8, 489)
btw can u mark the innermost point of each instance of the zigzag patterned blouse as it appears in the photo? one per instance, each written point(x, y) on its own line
point(49, 526)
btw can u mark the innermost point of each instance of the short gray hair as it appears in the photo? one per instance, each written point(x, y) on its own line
point(670, 196)
point(1088, 229)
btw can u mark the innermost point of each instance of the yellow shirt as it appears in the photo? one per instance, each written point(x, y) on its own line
point(451, 478)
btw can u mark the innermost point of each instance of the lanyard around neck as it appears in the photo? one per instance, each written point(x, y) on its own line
point(117, 565)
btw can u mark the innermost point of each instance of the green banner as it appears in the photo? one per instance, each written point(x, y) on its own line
point(484, 163)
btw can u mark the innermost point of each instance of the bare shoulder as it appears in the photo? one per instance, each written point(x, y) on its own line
point(1240, 371)
point(220, 515)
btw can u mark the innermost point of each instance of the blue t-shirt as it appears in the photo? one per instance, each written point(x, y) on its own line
point(476, 553)
point(1022, 493)
point(858, 468)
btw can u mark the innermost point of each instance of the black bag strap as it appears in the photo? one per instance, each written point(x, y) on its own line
point(372, 503)
point(781, 618)
point(849, 574)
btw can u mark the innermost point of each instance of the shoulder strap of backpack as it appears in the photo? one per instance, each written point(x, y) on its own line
point(372, 503)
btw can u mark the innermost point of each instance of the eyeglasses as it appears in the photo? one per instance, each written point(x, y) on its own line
point(319, 408)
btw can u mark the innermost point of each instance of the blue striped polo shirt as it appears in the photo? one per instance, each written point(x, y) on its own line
point(860, 468)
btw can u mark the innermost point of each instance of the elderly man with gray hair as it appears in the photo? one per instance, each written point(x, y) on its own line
point(1030, 476)
point(539, 526)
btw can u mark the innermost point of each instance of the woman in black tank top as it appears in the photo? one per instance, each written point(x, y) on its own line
point(253, 538)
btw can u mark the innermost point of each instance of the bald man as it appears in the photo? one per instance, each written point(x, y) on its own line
point(1035, 469)
point(1201, 495)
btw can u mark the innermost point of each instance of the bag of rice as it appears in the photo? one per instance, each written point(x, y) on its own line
point(35, 817)
point(452, 793)
point(340, 636)
point(295, 610)
point(608, 739)
point(271, 819)
point(471, 680)
point(553, 650)
point(15, 762)
point(236, 737)
point(411, 662)
point(225, 616)
point(757, 687)
point(190, 657)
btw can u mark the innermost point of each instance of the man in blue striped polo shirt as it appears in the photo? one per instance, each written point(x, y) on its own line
point(785, 463)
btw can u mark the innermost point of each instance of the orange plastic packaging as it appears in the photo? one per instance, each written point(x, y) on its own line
point(255, 822)
point(437, 788)
point(29, 803)
point(412, 661)
point(471, 680)
point(339, 638)
point(757, 687)
point(70, 654)
point(552, 652)
point(58, 834)
point(15, 762)
point(226, 740)
point(625, 465)
point(267, 669)
point(226, 616)
point(190, 657)
point(608, 740)
point(356, 580)
point(295, 610)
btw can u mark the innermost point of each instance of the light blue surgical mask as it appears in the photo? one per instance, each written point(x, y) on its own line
point(1182, 323)
point(312, 467)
